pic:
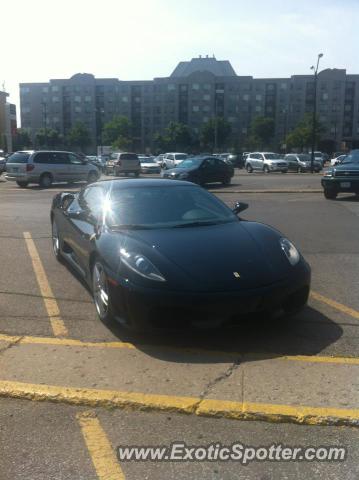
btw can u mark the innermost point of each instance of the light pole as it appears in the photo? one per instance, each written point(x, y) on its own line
point(44, 106)
point(314, 124)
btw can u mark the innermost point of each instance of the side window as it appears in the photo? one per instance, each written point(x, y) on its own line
point(92, 199)
point(170, 157)
point(43, 157)
point(74, 159)
point(60, 158)
point(219, 163)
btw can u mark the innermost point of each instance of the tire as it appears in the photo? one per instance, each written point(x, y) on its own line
point(56, 241)
point(249, 168)
point(330, 194)
point(101, 293)
point(266, 169)
point(46, 180)
point(92, 177)
point(284, 171)
point(227, 181)
point(298, 170)
point(22, 184)
point(137, 174)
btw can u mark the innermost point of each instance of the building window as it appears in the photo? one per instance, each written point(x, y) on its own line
point(258, 97)
point(206, 108)
point(88, 98)
point(45, 89)
point(244, 130)
point(245, 97)
point(258, 108)
point(195, 86)
point(195, 108)
point(26, 110)
point(54, 88)
point(283, 86)
point(348, 108)
point(205, 119)
point(232, 119)
point(55, 99)
point(171, 87)
point(207, 86)
point(124, 99)
point(206, 98)
point(24, 90)
point(325, 96)
point(78, 109)
point(77, 98)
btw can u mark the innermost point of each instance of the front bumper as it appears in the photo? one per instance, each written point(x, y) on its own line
point(278, 168)
point(143, 307)
point(341, 184)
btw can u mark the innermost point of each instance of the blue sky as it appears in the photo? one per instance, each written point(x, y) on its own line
point(142, 39)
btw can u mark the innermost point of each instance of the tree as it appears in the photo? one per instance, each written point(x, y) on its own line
point(21, 140)
point(262, 131)
point(117, 133)
point(79, 136)
point(301, 136)
point(208, 132)
point(177, 136)
point(48, 137)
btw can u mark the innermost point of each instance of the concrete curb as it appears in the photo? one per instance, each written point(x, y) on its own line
point(190, 405)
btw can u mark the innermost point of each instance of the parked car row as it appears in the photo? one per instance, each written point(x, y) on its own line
point(274, 162)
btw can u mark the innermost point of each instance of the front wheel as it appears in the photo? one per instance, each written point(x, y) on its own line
point(101, 293)
point(249, 168)
point(45, 180)
point(330, 194)
point(92, 177)
point(22, 184)
point(226, 181)
point(266, 169)
point(56, 241)
point(137, 174)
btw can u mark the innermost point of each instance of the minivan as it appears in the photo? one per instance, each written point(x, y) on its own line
point(123, 163)
point(47, 166)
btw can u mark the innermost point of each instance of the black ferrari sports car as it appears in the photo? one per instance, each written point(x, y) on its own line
point(160, 252)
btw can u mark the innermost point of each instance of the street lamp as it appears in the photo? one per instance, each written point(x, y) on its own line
point(314, 124)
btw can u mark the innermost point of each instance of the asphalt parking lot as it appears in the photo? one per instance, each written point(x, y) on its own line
point(54, 348)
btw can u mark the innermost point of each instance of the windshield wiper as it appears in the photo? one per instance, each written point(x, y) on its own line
point(130, 226)
point(198, 224)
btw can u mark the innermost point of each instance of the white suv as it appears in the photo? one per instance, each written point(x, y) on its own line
point(171, 160)
point(265, 162)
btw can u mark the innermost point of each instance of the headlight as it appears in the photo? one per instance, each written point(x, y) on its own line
point(328, 173)
point(141, 265)
point(289, 249)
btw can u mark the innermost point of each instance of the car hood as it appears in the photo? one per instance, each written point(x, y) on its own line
point(227, 257)
point(347, 166)
point(149, 165)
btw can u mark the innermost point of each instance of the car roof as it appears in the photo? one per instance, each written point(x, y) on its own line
point(143, 182)
point(176, 153)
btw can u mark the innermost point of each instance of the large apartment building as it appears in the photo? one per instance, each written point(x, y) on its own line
point(195, 92)
point(8, 124)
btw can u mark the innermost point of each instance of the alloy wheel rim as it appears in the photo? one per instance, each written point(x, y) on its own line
point(55, 239)
point(100, 290)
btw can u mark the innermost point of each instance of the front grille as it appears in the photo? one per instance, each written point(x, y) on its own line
point(347, 173)
point(282, 164)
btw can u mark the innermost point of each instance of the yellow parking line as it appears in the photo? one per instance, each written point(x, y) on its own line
point(103, 457)
point(51, 306)
point(70, 342)
point(332, 303)
point(302, 414)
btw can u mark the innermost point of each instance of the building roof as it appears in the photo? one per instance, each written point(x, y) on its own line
point(219, 68)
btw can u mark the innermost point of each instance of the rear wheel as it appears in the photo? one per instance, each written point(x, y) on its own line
point(249, 168)
point(330, 194)
point(266, 169)
point(137, 174)
point(45, 180)
point(23, 184)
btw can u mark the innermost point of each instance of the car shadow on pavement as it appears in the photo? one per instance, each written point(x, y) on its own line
point(351, 198)
point(307, 333)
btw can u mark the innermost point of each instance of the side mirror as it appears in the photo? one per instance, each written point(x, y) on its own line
point(240, 207)
point(66, 199)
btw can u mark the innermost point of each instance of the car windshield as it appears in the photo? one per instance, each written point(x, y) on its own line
point(181, 156)
point(351, 158)
point(272, 156)
point(190, 162)
point(19, 157)
point(303, 157)
point(164, 207)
